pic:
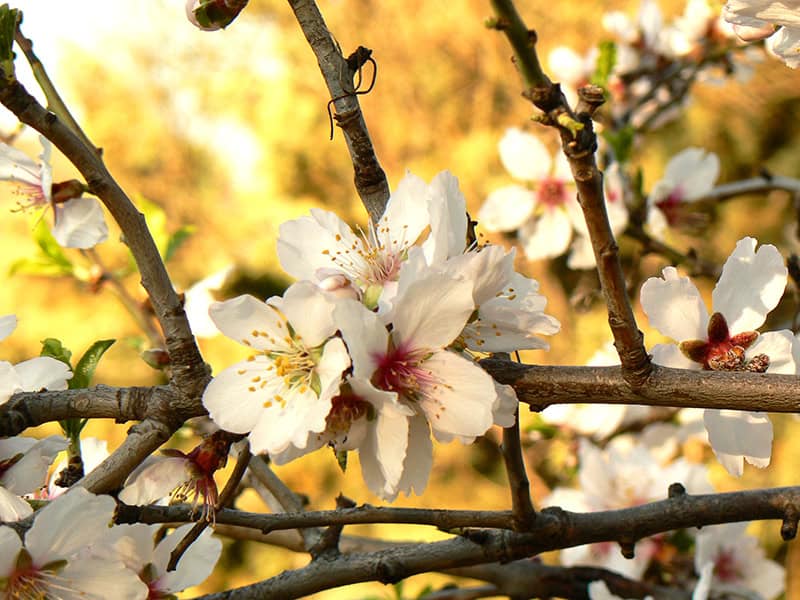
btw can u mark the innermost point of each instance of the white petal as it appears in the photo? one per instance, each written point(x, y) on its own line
point(92, 578)
point(310, 312)
point(751, 285)
point(462, 404)
point(308, 244)
point(695, 170)
point(419, 457)
point(364, 334)
point(669, 355)
point(383, 452)
point(505, 406)
point(251, 322)
point(155, 481)
point(547, 236)
point(11, 545)
point(431, 312)
point(43, 372)
point(778, 345)
point(736, 435)
point(407, 213)
point(70, 522)
point(507, 208)
point(524, 155)
point(195, 565)
point(235, 397)
point(80, 223)
point(8, 323)
point(10, 382)
point(12, 508)
point(30, 472)
point(674, 306)
point(448, 210)
point(198, 299)
point(490, 270)
point(785, 44)
point(15, 165)
point(581, 255)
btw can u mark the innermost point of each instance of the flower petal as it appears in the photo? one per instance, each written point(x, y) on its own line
point(460, 403)
point(80, 223)
point(736, 435)
point(309, 310)
point(235, 397)
point(195, 565)
point(419, 457)
point(11, 544)
point(43, 372)
point(507, 208)
point(12, 509)
point(10, 382)
point(669, 355)
point(674, 306)
point(751, 285)
point(780, 347)
point(155, 481)
point(364, 334)
point(251, 322)
point(548, 236)
point(30, 473)
point(93, 577)
point(8, 323)
point(524, 155)
point(448, 214)
point(383, 453)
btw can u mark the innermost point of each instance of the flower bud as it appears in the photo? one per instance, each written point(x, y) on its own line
point(210, 15)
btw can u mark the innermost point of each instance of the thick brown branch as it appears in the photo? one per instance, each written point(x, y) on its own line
point(541, 386)
point(370, 180)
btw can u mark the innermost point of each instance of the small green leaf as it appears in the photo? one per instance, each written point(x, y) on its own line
point(8, 26)
point(41, 267)
point(341, 459)
point(84, 370)
point(55, 349)
point(605, 64)
point(51, 260)
point(176, 240)
point(621, 141)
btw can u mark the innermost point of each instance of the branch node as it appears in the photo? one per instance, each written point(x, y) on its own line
point(627, 547)
point(789, 525)
point(676, 490)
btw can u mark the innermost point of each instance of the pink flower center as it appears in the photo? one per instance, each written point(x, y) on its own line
point(727, 568)
point(551, 192)
point(401, 370)
point(28, 583)
point(723, 352)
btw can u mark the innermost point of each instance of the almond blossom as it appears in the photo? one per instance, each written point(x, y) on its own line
point(751, 284)
point(137, 547)
point(623, 475)
point(58, 557)
point(777, 21)
point(688, 176)
point(42, 372)
point(284, 390)
point(78, 222)
point(545, 216)
point(320, 246)
point(422, 385)
point(737, 561)
point(24, 463)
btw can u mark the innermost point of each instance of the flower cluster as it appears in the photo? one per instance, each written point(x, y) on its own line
point(373, 349)
point(777, 22)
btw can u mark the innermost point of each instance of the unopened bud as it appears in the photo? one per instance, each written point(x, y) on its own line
point(67, 190)
point(340, 286)
point(156, 358)
point(210, 15)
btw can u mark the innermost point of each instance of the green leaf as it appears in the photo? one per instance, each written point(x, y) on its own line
point(55, 349)
point(176, 240)
point(8, 26)
point(42, 267)
point(621, 141)
point(605, 64)
point(51, 260)
point(84, 370)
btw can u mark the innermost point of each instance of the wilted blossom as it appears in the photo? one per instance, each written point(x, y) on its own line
point(751, 284)
point(78, 222)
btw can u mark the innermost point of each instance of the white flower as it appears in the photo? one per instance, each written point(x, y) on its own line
point(42, 372)
point(198, 299)
point(78, 222)
point(137, 548)
point(545, 217)
point(430, 215)
point(284, 390)
point(750, 286)
point(421, 385)
point(598, 590)
point(759, 19)
point(623, 475)
point(688, 176)
point(571, 69)
point(738, 561)
point(23, 470)
point(56, 559)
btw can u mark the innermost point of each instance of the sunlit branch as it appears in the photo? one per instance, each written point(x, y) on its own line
point(521, 505)
point(554, 529)
point(370, 180)
point(543, 386)
point(579, 144)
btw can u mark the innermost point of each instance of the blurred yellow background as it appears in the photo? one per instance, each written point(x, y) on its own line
point(228, 132)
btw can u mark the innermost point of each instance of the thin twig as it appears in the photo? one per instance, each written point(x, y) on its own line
point(579, 144)
point(521, 505)
point(370, 180)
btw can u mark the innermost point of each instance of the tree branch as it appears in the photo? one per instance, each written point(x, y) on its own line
point(370, 180)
